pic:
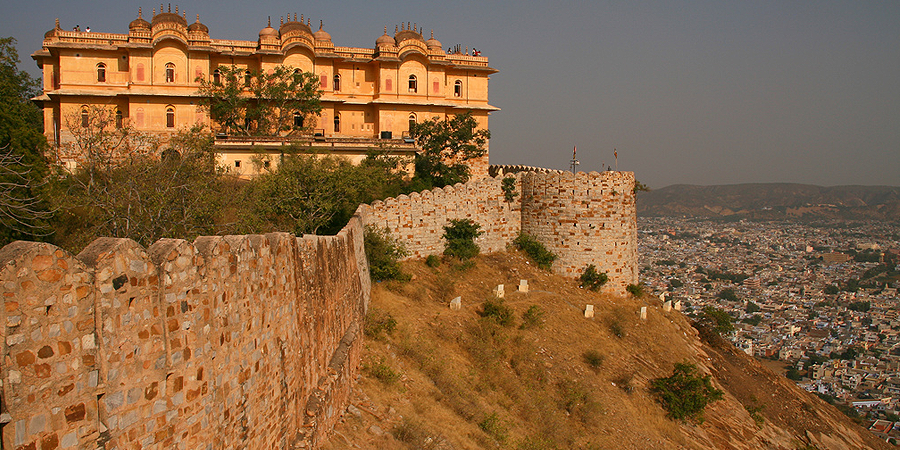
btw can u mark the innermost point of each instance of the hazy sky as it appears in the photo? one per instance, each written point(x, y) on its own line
point(697, 92)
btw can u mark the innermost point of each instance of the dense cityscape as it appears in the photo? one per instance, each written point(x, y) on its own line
point(820, 299)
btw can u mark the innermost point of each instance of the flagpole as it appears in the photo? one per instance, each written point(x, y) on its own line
point(574, 161)
point(616, 154)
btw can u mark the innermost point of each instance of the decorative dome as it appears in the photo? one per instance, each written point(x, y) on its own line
point(385, 39)
point(408, 33)
point(197, 26)
point(268, 31)
point(168, 17)
point(433, 44)
point(139, 23)
point(293, 25)
point(322, 35)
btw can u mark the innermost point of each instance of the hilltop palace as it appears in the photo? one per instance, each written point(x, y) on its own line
point(150, 78)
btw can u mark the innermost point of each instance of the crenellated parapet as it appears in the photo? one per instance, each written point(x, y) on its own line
point(229, 341)
point(583, 218)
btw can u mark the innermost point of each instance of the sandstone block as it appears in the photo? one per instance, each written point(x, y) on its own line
point(589, 311)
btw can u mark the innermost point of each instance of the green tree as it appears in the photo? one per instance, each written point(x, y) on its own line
point(446, 147)
point(145, 198)
point(309, 193)
point(685, 393)
point(22, 144)
point(266, 104)
point(593, 279)
point(717, 320)
point(460, 235)
point(383, 253)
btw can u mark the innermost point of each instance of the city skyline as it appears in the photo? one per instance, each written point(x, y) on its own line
point(684, 92)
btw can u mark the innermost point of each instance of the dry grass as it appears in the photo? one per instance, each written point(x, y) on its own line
point(467, 382)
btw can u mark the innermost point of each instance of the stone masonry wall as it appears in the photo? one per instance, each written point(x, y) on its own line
point(588, 218)
point(228, 342)
point(418, 219)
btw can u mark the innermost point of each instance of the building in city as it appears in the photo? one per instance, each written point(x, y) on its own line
point(149, 79)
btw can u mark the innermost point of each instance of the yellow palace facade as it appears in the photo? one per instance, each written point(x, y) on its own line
point(150, 78)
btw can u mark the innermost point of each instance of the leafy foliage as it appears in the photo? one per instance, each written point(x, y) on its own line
point(636, 290)
point(592, 279)
point(22, 145)
point(141, 197)
point(315, 193)
point(592, 358)
point(508, 186)
point(717, 320)
point(384, 254)
point(536, 251)
point(533, 317)
point(496, 310)
point(266, 106)
point(378, 323)
point(447, 145)
point(460, 236)
point(685, 393)
point(728, 294)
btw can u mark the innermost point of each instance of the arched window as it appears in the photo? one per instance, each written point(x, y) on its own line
point(298, 121)
point(246, 78)
point(217, 76)
point(170, 73)
point(85, 117)
point(412, 121)
point(119, 119)
point(337, 123)
point(170, 117)
point(457, 89)
point(413, 84)
point(101, 73)
point(337, 82)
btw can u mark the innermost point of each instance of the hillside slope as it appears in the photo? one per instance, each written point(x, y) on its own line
point(772, 201)
point(444, 379)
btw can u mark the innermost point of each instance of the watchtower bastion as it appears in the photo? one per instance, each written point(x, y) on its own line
point(583, 218)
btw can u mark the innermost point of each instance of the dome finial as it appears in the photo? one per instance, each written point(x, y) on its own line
point(301, 18)
point(170, 8)
point(57, 23)
point(321, 23)
point(295, 17)
point(176, 10)
point(282, 20)
point(140, 16)
point(385, 27)
point(270, 21)
point(154, 12)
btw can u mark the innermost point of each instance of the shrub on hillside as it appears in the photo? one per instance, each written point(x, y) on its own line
point(593, 358)
point(433, 261)
point(495, 309)
point(384, 254)
point(592, 279)
point(685, 393)
point(535, 250)
point(532, 317)
point(636, 290)
point(460, 236)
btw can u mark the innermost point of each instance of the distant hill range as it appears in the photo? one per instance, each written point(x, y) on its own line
point(772, 201)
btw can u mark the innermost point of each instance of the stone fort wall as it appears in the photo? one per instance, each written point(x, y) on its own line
point(250, 341)
point(227, 342)
point(584, 218)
